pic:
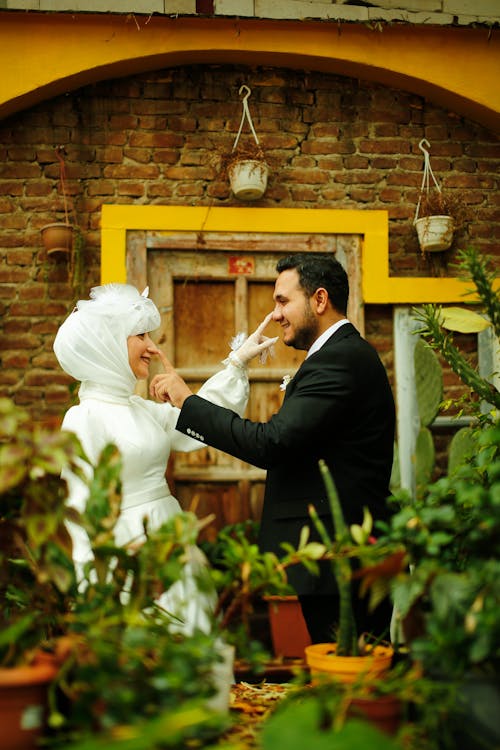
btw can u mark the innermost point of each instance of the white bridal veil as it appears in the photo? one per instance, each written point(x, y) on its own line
point(91, 344)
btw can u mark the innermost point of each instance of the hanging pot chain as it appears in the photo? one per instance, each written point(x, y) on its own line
point(245, 115)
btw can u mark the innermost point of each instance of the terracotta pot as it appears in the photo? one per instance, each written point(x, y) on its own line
point(23, 700)
point(289, 634)
point(57, 238)
point(321, 659)
point(248, 179)
point(435, 233)
point(383, 711)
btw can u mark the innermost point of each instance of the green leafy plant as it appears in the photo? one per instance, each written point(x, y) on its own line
point(450, 602)
point(36, 573)
point(438, 324)
point(242, 574)
point(402, 709)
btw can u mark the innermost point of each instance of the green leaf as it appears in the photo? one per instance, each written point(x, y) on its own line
point(463, 321)
point(428, 382)
point(425, 456)
point(299, 725)
point(462, 446)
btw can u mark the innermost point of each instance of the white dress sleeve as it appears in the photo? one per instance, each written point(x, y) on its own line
point(228, 388)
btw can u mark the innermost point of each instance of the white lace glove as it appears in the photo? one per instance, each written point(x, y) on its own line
point(245, 349)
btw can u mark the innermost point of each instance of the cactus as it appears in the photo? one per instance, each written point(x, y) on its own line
point(436, 326)
point(428, 383)
point(462, 447)
point(347, 642)
point(429, 391)
point(432, 318)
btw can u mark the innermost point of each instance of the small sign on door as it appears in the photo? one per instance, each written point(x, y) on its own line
point(241, 264)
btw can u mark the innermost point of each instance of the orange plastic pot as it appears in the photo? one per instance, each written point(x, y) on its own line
point(289, 634)
point(23, 701)
point(322, 659)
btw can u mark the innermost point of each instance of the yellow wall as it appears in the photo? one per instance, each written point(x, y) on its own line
point(48, 54)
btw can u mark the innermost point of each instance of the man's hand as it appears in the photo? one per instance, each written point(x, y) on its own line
point(169, 386)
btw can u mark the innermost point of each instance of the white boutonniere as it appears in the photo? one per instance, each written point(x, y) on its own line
point(284, 382)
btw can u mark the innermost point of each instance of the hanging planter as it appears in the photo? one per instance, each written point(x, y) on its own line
point(248, 179)
point(436, 213)
point(246, 166)
point(57, 237)
point(435, 233)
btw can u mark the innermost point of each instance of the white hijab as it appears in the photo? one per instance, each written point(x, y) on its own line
point(91, 344)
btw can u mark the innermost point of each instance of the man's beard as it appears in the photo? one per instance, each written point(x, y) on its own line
point(307, 333)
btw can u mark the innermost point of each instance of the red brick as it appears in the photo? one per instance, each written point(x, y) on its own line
point(135, 189)
point(189, 173)
point(126, 171)
point(19, 360)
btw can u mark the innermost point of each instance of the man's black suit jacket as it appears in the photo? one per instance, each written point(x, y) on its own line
point(339, 407)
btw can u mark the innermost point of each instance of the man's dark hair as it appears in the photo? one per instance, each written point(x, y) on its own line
point(319, 270)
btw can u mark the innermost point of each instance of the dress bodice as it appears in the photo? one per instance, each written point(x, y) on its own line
point(145, 434)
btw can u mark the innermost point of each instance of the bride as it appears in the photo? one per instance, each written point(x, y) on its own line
point(105, 344)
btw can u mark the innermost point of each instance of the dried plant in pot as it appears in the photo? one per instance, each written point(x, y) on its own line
point(438, 214)
point(246, 165)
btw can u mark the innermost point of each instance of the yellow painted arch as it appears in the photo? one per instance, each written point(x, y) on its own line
point(44, 55)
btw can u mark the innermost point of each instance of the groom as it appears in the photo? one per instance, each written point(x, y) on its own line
point(338, 407)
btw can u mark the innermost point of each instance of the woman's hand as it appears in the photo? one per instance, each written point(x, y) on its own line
point(256, 343)
point(169, 386)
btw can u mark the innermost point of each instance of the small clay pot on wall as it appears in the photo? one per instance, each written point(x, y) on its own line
point(57, 238)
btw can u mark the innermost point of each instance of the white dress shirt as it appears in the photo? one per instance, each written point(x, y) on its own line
point(316, 346)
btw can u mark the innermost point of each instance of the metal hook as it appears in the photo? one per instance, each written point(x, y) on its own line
point(424, 140)
point(249, 91)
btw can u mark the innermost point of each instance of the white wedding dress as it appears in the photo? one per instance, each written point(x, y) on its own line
point(145, 434)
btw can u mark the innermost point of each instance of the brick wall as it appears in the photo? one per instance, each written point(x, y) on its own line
point(334, 142)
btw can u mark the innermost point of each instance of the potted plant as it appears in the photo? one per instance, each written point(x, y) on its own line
point(289, 634)
point(348, 656)
point(449, 605)
point(246, 164)
point(245, 578)
point(84, 639)
point(400, 709)
point(438, 214)
point(35, 573)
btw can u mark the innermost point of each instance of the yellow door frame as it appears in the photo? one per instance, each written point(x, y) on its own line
point(378, 286)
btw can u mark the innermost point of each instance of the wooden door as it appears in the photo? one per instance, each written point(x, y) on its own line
point(207, 289)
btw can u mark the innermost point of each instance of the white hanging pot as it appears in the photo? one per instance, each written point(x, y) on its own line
point(248, 179)
point(435, 233)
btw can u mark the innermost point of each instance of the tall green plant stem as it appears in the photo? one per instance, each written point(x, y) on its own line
point(442, 341)
point(346, 636)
